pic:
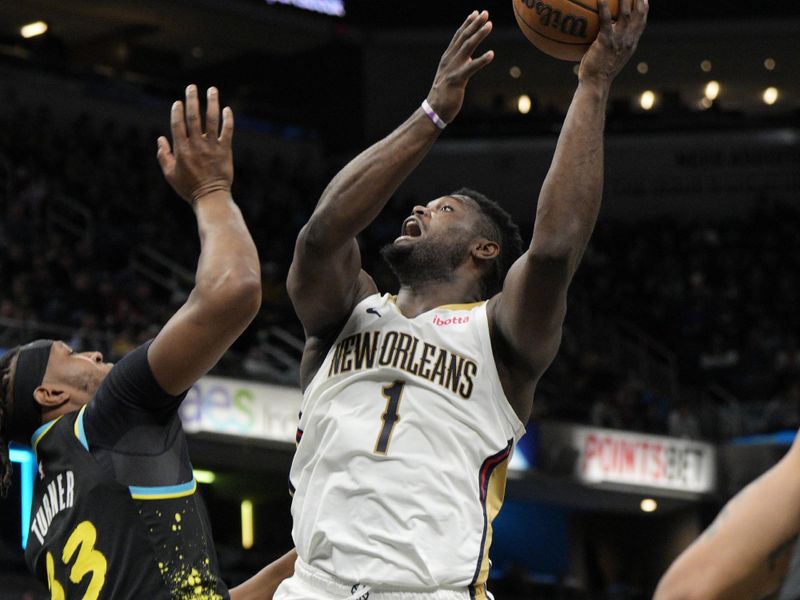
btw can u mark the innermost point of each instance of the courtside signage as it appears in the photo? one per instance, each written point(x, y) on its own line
point(242, 408)
point(608, 456)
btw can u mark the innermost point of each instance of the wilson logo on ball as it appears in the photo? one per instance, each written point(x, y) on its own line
point(550, 17)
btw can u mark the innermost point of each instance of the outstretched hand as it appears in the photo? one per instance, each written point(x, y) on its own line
point(457, 66)
point(201, 163)
point(616, 42)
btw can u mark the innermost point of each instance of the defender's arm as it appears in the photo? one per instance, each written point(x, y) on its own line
point(745, 552)
point(263, 584)
point(227, 292)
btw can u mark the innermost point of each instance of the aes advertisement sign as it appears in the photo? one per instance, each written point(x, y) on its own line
point(242, 408)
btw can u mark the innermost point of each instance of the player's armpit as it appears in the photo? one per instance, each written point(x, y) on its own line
point(526, 318)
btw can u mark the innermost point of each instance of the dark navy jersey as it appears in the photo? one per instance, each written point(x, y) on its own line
point(116, 512)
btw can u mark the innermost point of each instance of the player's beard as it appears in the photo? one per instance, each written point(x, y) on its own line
point(426, 260)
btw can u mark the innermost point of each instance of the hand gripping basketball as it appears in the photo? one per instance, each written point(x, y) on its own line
point(457, 66)
point(616, 41)
point(202, 163)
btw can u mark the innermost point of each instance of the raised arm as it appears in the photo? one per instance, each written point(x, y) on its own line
point(227, 291)
point(327, 262)
point(745, 553)
point(528, 315)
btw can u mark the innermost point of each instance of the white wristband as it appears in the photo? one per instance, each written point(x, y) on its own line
point(437, 120)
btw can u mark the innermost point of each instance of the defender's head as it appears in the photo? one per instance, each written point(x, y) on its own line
point(39, 382)
point(461, 234)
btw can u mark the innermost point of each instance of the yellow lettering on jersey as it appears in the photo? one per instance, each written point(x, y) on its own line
point(89, 561)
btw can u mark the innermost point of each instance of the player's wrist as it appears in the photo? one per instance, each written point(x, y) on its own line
point(433, 116)
point(210, 192)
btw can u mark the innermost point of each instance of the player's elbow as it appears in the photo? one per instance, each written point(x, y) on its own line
point(555, 252)
point(320, 237)
point(236, 294)
point(246, 296)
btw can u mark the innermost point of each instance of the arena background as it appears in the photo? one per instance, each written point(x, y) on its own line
point(679, 377)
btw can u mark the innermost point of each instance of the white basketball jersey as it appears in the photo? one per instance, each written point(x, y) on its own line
point(404, 440)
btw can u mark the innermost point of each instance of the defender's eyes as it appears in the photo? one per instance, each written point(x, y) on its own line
point(447, 208)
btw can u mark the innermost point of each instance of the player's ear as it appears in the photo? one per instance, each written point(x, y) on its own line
point(484, 249)
point(50, 396)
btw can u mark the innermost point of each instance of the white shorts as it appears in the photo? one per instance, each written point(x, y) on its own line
point(309, 583)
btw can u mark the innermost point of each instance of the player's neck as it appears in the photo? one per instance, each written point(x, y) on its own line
point(413, 301)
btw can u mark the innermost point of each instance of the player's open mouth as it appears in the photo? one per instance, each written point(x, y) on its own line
point(411, 228)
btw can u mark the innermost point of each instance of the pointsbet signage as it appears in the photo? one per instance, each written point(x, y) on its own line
point(242, 408)
point(608, 456)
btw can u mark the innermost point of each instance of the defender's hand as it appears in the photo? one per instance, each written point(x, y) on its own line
point(457, 66)
point(616, 42)
point(202, 162)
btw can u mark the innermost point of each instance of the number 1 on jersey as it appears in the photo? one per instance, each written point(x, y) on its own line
point(393, 394)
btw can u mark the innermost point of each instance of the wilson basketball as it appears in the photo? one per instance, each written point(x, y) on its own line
point(561, 28)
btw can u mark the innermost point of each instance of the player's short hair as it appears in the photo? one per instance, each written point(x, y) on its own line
point(6, 376)
point(500, 228)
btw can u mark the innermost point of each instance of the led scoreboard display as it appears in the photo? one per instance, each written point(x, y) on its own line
point(327, 7)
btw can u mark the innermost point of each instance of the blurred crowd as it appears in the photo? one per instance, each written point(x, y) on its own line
point(80, 203)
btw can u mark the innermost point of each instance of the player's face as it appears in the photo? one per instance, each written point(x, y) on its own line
point(80, 372)
point(434, 241)
point(441, 219)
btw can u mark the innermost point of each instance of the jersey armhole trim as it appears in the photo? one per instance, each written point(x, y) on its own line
point(80, 432)
point(164, 492)
point(41, 432)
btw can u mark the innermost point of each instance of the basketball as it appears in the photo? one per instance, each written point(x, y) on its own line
point(561, 28)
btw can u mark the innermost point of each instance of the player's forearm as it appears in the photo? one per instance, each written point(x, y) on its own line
point(263, 584)
point(361, 189)
point(570, 197)
point(228, 272)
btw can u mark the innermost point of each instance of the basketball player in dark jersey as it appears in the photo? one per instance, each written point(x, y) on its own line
point(748, 549)
point(116, 512)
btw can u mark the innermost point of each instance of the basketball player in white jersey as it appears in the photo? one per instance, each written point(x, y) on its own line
point(747, 550)
point(412, 404)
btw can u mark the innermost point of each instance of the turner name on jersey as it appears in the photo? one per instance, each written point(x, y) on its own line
point(59, 495)
point(406, 352)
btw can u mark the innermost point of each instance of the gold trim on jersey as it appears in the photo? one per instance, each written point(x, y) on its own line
point(163, 492)
point(457, 306)
point(492, 489)
point(494, 501)
point(467, 306)
point(42, 431)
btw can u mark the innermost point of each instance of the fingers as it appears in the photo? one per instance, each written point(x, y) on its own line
point(192, 111)
point(473, 26)
point(470, 18)
point(212, 113)
point(177, 122)
point(641, 8)
point(226, 137)
point(477, 64)
point(164, 155)
point(605, 17)
point(476, 38)
point(625, 7)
